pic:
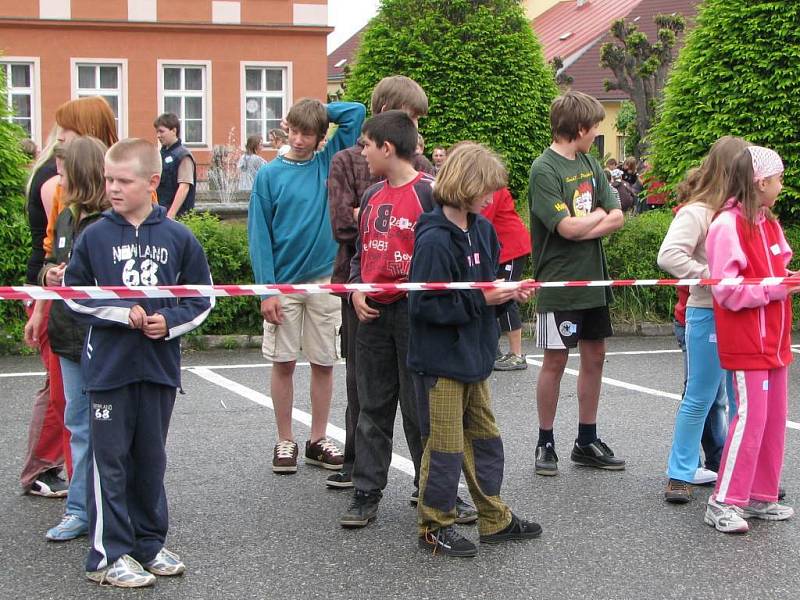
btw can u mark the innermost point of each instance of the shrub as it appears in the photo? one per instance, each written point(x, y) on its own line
point(481, 66)
point(736, 75)
point(225, 244)
point(631, 253)
point(14, 233)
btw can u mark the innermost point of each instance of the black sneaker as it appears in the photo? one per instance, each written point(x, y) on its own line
point(597, 454)
point(340, 480)
point(362, 510)
point(546, 460)
point(518, 529)
point(447, 541)
point(49, 485)
point(465, 512)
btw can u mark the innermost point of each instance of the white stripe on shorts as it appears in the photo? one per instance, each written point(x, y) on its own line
point(547, 335)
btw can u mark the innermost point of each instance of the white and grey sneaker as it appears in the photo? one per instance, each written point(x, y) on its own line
point(726, 518)
point(124, 572)
point(768, 511)
point(165, 564)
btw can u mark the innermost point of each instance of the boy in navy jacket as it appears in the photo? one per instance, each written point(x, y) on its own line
point(452, 343)
point(131, 364)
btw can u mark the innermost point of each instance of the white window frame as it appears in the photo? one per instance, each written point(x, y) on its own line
point(207, 96)
point(35, 90)
point(288, 93)
point(122, 89)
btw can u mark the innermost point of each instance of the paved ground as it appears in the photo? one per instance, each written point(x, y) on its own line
point(245, 533)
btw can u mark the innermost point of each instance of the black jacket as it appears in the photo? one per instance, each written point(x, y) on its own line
point(453, 333)
point(65, 333)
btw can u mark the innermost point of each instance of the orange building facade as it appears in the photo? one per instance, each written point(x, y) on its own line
point(228, 69)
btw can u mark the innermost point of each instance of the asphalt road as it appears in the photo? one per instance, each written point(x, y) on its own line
point(246, 533)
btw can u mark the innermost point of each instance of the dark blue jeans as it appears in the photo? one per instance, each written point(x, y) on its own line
point(715, 429)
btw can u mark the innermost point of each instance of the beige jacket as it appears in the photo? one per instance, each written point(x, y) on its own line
point(683, 251)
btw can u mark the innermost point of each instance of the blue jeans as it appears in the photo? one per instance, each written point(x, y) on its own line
point(701, 415)
point(76, 419)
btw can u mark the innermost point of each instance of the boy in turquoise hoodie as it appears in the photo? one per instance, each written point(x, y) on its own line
point(291, 241)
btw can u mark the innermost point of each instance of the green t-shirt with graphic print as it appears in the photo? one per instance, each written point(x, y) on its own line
point(560, 188)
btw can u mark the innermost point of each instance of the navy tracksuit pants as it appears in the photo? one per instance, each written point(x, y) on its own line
point(127, 460)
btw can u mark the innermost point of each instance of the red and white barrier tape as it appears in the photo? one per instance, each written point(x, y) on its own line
point(186, 291)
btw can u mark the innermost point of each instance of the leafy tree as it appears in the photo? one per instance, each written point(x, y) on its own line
point(736, 75)
point(14, 232)
point(640, 67)
point(626, 125)
point(481, 66)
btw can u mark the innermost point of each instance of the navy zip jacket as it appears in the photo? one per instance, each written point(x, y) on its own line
point(158, 252)
point(453, 333)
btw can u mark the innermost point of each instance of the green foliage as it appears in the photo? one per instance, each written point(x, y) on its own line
point(225, 245)
point(14, 232)
point(626, 125)
point(736, 75)
point(481, 66)
point(631, 253)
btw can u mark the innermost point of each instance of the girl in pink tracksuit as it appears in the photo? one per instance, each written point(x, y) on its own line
point(753, 327)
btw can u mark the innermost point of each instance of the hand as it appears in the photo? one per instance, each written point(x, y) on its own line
point(155, 327)
point(364, 311)
point(55, 275)
point(271, 310)
point(137, 317)
point(524, 294)
point(32, 329)
point(497, 296)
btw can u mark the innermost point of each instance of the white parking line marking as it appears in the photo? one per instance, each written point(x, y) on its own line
point(639, 388)
point(398, 462)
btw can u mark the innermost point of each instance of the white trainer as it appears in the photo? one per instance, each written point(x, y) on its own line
point(768, 511)
point(726, 518)
point(124, 572)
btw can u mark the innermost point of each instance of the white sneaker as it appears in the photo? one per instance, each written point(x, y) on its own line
point(125, 572)
point(726, 518)
point(704, 476)
point(166, 564)
point(768, 511)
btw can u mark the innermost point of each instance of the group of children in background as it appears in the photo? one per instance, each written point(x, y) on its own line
point(366, 208)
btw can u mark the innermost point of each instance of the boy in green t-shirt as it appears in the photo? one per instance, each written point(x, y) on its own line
point(571, 210)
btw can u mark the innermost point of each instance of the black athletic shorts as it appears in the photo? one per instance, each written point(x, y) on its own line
point(563, 329)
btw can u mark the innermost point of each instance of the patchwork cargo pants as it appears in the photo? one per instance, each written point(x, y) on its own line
point(458, 431)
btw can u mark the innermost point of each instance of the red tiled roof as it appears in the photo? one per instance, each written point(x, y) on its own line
point(588, 76)
point(346, 52)
point(584, 24)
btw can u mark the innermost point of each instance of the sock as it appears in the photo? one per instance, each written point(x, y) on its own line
point(545, 437)
point(587, 433)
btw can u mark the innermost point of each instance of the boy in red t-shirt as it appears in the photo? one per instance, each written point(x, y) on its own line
point(387, 218)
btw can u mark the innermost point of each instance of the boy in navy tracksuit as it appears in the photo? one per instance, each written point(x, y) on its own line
point(131, 365)
point(452, 343)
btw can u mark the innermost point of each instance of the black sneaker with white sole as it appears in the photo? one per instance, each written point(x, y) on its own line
point(447, 541)
point(363, 509)
point(546, 460)
point(598, 455)
point(340, 481)
point(465, 512)
point(49, 485)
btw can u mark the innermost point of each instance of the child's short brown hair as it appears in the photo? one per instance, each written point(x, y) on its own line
point(573, 112)
point(470, 172)
point(395, 127)
point(309, 116)
point(142, 151)
point(168, 121)
point(399, 92)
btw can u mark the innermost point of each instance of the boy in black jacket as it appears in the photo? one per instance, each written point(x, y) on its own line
point(131, 365)
point(452, 345)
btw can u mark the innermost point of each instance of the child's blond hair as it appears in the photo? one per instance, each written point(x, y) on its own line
point(742, 187)
point(399, 92)
point(143, 152)
point(707, 182)
point(470, 172)
point(309, 116)
point(572, 112)
point(82, 164)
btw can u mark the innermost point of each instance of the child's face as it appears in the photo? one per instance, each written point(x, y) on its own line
point(586, 137)
point(377, 156)
point(478, 206)
point(127, 189)
point(770, 189)
point(166, 137)
point(303, 143)
point(439, 157)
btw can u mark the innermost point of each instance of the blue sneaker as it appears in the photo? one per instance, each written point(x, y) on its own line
point(71, 527)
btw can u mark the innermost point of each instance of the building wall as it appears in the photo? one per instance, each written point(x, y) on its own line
point(141, 49)
point(608, 129)
point(533, 8)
